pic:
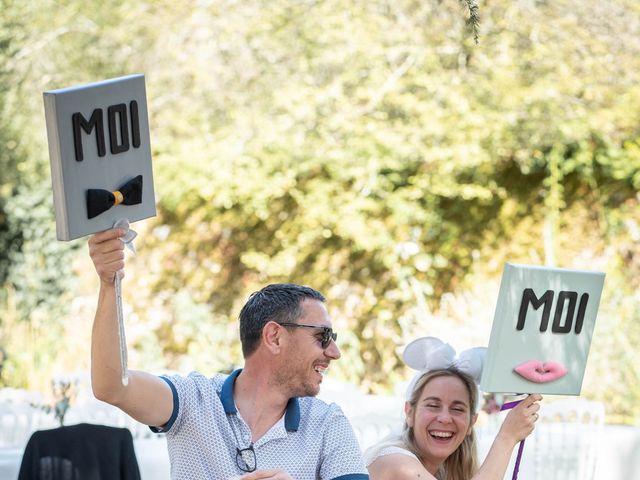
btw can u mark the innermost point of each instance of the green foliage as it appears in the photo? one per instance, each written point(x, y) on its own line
point(38, 51)
point(64, 393)
point(369, 149)
point(40, 271)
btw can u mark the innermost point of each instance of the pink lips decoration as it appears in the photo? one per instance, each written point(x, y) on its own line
point(541, 372)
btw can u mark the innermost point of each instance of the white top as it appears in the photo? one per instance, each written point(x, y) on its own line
point(381, 450)
point(313, 440)
point(390, 450)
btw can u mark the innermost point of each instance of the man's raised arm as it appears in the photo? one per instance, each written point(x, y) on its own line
point(146, 398)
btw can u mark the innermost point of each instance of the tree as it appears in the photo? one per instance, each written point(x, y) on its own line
point(369, 149)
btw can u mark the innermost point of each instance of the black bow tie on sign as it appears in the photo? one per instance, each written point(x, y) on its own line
point(99, 201)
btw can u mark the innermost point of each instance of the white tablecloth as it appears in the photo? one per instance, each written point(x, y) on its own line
point(10, 463)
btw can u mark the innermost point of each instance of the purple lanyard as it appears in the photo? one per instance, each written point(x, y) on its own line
point(508, 406)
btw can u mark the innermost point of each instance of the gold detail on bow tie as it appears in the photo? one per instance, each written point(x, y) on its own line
point(119, 197)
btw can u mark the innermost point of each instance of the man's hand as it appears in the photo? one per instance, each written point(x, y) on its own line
point(274, 474)
point(107, 252)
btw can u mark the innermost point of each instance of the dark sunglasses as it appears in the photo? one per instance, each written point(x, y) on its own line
point(246, 459)
point(327, 332)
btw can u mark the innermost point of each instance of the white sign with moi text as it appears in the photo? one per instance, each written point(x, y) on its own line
point(542, 330)
point(100, 155)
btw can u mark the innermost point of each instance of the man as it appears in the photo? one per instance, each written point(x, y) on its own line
point(260, 422)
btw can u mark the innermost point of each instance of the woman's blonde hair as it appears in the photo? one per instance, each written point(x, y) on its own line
point(462, 464)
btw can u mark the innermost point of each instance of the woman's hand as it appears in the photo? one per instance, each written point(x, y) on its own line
point(520, 421)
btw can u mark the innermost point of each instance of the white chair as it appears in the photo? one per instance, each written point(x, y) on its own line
point(563, 446)
point(565, 443)
point(373, 427)
point(19, 420)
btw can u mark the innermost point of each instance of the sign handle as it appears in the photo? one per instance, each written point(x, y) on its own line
point(516, 468)
point(121, 334)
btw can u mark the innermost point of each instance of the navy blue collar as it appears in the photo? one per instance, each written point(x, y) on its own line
point(291, 417)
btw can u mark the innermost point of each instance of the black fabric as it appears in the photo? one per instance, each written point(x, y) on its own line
point(80, 452)
point(99, 201)
point(132, 191)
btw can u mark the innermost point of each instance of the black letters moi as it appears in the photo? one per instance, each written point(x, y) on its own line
point(529, 298)
point(116, 117)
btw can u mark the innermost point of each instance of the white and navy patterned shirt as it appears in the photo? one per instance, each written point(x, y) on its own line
point(313, 440)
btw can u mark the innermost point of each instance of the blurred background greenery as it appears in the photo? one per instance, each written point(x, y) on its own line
point(367, 148)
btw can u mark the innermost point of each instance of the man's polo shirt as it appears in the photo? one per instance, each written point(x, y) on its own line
point(313, 440)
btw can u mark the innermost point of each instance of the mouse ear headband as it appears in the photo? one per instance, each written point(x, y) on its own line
point(429, 353)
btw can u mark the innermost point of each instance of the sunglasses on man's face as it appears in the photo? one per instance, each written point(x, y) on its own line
point(327, 332)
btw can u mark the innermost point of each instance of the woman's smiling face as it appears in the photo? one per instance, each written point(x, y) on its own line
point(441, 419)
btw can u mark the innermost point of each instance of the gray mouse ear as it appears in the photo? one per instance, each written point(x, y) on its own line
point(471, 362)
point(428, 353)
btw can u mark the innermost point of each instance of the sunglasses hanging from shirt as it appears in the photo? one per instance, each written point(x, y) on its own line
point(99, 201)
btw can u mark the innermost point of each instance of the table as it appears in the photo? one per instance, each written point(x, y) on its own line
point(153, 460)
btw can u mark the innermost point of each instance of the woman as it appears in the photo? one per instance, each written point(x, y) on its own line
point(437, 441)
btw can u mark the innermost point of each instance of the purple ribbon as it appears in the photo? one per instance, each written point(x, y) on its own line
point(508, 406)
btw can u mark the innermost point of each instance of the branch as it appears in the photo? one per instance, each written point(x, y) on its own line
point(473, 22)
point(388, 84)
